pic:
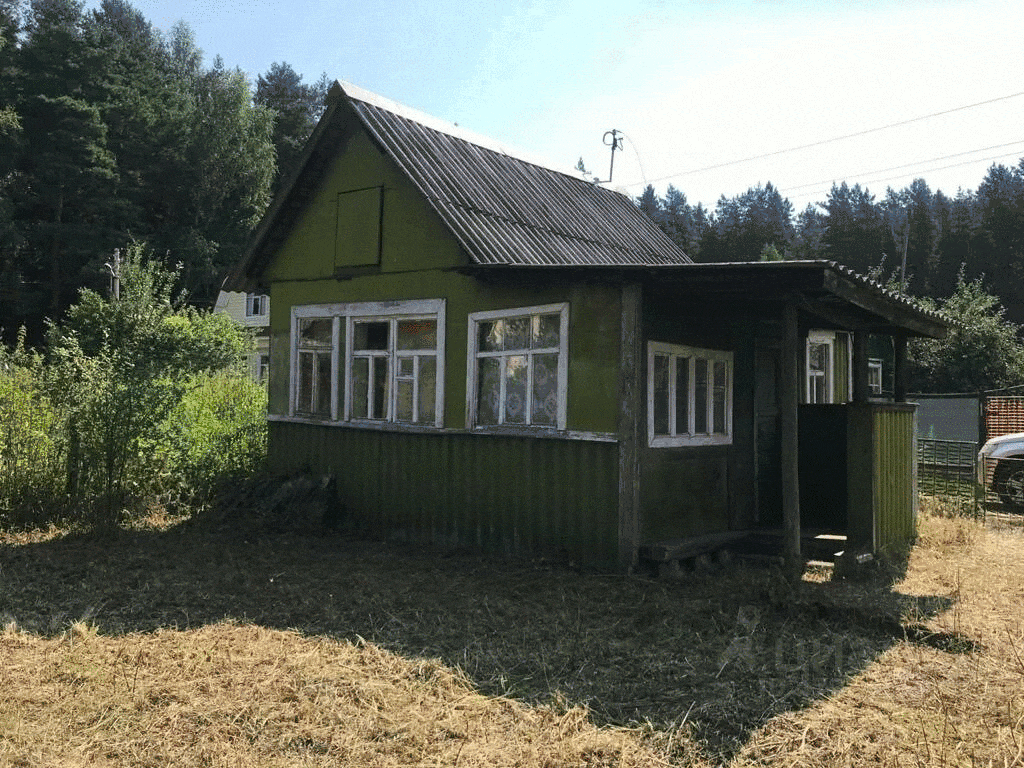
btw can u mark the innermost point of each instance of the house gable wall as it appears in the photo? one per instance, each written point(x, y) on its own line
point(339, 220)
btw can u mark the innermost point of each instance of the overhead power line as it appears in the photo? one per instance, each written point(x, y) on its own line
point(822, 142)
point(903, 175)
point(910, 165)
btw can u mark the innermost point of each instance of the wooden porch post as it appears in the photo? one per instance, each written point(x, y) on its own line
point(899, 345)
point(789, 402)
point(860, 367)
point(631, 359)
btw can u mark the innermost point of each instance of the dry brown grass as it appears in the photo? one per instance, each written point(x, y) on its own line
point(198, 645)
point(229, 695)
point(955, 700)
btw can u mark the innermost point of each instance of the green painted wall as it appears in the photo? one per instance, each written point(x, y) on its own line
point(593, 333)
point(895, 495)
point(410, 233)
point(685, 491)
point(881, 468)
point(498, 493)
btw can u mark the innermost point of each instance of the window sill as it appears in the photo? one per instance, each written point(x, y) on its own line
point(689, 442)
point(381, 426)
point(550, 433)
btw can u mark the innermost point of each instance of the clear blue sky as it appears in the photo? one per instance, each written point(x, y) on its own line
point(691, 84)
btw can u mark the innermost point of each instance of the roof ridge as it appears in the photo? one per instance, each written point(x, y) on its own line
point(454, 130)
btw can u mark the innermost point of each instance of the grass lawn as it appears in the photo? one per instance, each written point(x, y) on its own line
point(202, 643)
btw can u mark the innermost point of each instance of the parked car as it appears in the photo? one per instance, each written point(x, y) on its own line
point(1001, 469)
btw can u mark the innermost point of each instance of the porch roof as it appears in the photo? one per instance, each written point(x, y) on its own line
point(834, 295)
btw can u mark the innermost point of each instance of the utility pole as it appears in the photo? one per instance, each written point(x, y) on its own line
point(115, 275)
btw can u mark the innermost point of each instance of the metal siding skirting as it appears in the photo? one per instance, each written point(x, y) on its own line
point(500, 494)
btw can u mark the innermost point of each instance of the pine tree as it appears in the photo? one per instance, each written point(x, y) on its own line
point(297, 106)
point(854, 229)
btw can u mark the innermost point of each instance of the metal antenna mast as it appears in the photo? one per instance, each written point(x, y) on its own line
point(615, 143)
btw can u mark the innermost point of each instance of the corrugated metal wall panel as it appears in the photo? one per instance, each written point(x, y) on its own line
point(894, 476)
point(507, 495)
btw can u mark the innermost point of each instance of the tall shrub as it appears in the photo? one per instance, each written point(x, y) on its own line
point(31, 460)
point(216, 433)
point(118, 368)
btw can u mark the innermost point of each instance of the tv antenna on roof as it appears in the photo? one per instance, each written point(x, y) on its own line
point(615, 143)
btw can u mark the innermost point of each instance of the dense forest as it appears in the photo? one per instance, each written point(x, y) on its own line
point(917, 239)
point(113, 131)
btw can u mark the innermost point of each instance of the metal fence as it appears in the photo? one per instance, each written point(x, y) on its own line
point(948, 468)
point(1002, 486)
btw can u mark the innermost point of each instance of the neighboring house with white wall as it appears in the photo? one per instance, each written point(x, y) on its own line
point(253, 311)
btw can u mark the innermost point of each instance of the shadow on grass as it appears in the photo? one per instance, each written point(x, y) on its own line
point(716, 654)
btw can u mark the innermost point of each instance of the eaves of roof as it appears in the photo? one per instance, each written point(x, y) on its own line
point(821, 287)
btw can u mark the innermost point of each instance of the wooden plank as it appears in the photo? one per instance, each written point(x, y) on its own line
point(789, 408)
point(681, 549)
point(631, 360)
point(860, 367)
point(899, 343)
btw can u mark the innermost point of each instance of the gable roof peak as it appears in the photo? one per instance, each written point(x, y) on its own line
point(503, 208)
point(345, 89)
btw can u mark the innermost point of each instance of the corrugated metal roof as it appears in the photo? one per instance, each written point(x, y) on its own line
point(508, 210)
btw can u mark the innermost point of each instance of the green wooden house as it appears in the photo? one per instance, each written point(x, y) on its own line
point(492, 354)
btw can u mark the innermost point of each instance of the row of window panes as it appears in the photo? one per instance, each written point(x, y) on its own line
point(690, 395)
point(393, 371)
point(526, 332)
point(518, 389)
point(389, 382)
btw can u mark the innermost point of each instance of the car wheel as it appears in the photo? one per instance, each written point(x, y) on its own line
point(1008, 483)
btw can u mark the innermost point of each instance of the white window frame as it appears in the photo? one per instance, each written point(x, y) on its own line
point(875, 372)
point(344, 317)
point(256, 304)
point(691, 437)
point(295, 367)
point(828, 340)
point(473, 355)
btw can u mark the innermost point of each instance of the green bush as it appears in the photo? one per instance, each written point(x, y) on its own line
point(31, 459)
point(216, 432)
point(135, 401)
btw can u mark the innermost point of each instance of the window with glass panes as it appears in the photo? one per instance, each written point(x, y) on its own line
point(875, 376)
point(370, 362)
point(394, 369)
point(518, 365)
point(256, 304)
point(820, 367)
point(689, 395)
point(314, 355)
